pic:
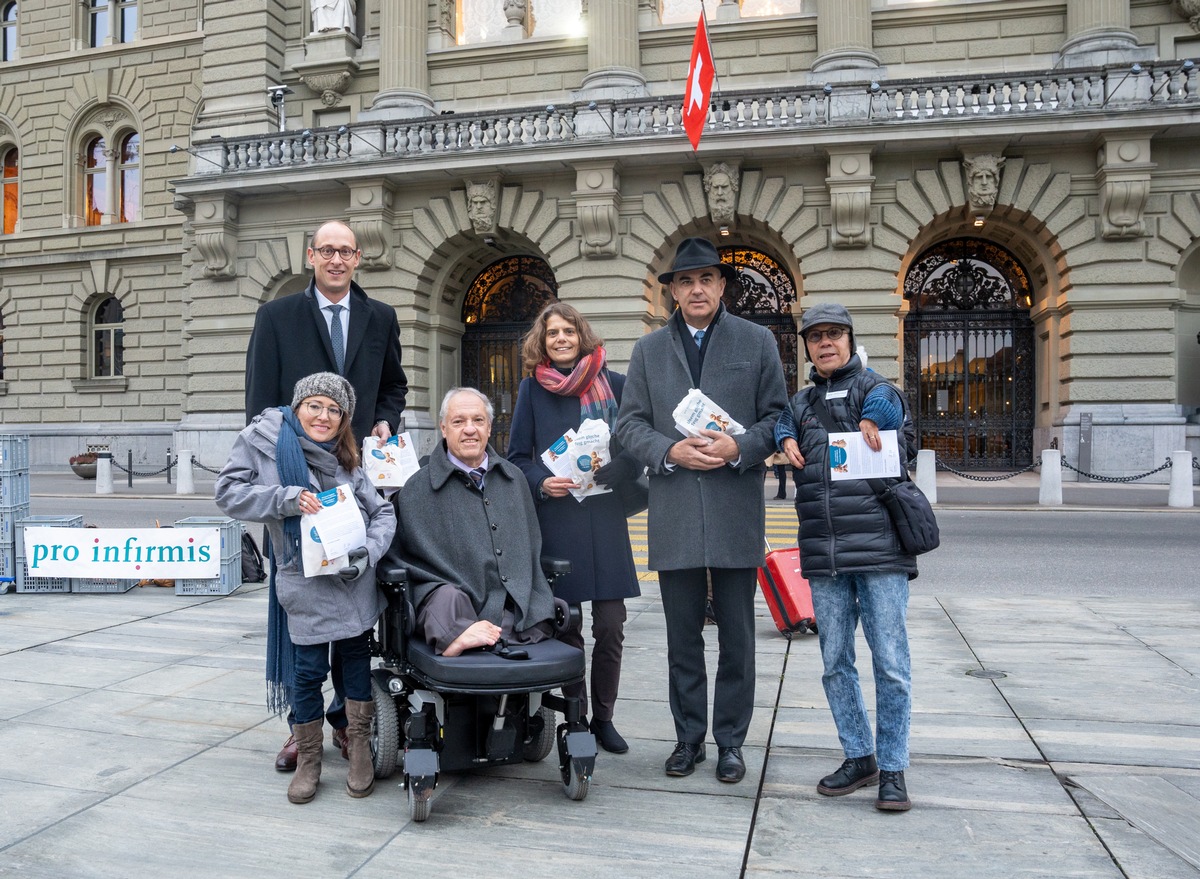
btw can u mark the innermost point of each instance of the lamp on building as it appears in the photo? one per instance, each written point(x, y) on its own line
point(277, 93)
point(603, 118)
point(724, 231)
point(1185, 67)
point(175, 148)
point(1132, 71)
point(978, 222)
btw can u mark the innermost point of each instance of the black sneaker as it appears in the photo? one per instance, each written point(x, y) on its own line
point(893, 797)
point(852, 775)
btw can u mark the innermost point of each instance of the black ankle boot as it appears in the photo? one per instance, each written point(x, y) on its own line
point(852, 775)
point(893, 796)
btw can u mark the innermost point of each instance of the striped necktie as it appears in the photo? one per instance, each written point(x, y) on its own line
point(477, 476)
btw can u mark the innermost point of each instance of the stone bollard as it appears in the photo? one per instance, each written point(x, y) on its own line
point(104, 483)
point(1050, 491)
point(186, 481)
point(1180, 493)
point(926, 478)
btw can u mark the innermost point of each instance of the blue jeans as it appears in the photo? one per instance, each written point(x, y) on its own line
point(880, 600)
point(312, 667)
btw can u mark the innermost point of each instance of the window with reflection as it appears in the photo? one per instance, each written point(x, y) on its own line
point(1, 347)
point(108, 339)
point(483, 21)
point(9, 181)
point(684, 11)
point(111, 21)
point(129, 176)
point(95, 182)
point(8, 31)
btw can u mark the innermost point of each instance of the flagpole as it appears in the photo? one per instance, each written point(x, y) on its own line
point(708, 39)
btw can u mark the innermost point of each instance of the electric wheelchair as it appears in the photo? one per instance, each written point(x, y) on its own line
point(438, 714)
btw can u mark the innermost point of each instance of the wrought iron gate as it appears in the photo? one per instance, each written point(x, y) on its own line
point(764, 295)
point(968, 355)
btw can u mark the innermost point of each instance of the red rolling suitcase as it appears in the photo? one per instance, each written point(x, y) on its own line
point(787, 592)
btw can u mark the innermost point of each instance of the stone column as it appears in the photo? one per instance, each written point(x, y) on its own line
point(403, 71)
point(613, 52)
point(844, 40)
point(1097, 26)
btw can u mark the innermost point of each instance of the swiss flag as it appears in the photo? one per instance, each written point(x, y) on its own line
point(699, 85)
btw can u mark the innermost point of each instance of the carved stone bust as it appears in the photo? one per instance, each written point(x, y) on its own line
point(481, 205)
point(983, 180)
point(721, 187)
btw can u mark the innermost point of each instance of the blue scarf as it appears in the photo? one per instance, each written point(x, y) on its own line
point(293, 470)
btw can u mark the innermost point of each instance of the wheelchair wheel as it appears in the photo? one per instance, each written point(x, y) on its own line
point(419, 803)
point(385, 731)
point(576, 786)
point(539, 747)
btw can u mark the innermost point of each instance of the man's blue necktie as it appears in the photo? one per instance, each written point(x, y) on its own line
point(699, 338)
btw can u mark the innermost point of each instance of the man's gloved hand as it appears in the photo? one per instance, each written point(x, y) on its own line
point(357, 565)
point(617, 470)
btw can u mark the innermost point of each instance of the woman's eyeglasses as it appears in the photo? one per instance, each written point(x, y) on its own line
point(327, 252)
point(832, 334)
point(315, 409)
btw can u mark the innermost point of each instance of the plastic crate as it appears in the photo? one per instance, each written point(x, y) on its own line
point(86, 584)
point(26, 583)
point(8, 562)
point(230, 579)
point(14, 488)
point(14, 452)
point(231, 532)
point(9, 516)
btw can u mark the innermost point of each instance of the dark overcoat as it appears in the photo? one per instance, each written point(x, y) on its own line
point(484, 542)
point(291, 340)
point(592, 535)
point(711, 518)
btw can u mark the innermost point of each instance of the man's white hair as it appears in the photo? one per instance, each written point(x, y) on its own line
point(445, 407)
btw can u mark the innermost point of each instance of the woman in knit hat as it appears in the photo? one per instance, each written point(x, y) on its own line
point(279, 463)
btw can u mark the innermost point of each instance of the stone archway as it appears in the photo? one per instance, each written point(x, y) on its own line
point(498, 310)
point(968, 354)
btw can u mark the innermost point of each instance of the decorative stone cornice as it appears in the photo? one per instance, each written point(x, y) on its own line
point(370, 216)
point(329, 67)
point(214, 221)
point(597, 199)
point(849, 181)
point(1123, 179)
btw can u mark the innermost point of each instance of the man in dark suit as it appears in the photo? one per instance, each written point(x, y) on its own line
point(331, 326)
point(706, 518)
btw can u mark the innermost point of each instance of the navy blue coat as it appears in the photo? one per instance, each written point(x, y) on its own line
point(593, 535)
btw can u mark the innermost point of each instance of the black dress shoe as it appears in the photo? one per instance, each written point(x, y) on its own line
point(608, 737)
point(893, 796)
point(731, 768)
point(684, 758)
point(852, 775)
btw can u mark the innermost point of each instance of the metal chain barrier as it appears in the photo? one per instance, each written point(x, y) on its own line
point(1195, 463)
point(145, 474)
point(977, 478)
point(196, 463)
point(1098, 478)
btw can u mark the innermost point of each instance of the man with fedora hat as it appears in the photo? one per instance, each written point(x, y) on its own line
point(706, 517)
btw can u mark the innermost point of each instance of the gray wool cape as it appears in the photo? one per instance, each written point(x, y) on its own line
point(711, 518)
point(486, 542)
point(319, 609)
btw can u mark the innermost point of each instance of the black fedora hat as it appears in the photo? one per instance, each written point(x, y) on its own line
point(697, 253)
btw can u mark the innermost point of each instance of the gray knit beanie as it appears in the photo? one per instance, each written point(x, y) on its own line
point(326, 384)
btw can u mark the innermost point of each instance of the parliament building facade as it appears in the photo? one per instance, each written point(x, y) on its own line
point(1004, 193)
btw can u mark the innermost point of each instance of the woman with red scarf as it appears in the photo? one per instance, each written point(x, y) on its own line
point(570, 383)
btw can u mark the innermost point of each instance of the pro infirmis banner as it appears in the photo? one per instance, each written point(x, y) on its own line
point(136, 553)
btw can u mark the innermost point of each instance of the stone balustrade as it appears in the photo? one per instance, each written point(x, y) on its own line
point(1153, 88)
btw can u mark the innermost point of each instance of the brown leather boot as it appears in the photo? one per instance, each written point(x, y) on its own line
point(308, 763)
point(360, 780)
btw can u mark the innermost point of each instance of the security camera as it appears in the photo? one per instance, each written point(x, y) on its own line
point(277, 92)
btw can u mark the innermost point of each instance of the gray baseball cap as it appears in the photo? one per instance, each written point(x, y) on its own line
point(825, 313)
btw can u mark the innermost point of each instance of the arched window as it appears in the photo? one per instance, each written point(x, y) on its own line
point(108, 339)
point(8, 31)
point(112, 180)
point(9, 180)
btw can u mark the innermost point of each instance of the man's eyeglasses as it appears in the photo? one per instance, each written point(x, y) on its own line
point(315, 409)
point(832, 334)
point(327, 252)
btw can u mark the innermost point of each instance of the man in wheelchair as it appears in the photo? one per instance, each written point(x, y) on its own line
point(467, 595)
point(469, 537)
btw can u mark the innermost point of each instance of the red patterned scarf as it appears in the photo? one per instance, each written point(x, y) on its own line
point(587, 382)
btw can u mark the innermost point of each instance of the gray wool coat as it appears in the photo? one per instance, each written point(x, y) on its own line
point(713, 518)
point(319, 609)
point(485, 542)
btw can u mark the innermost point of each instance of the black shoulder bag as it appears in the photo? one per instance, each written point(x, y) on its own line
point(912, 516)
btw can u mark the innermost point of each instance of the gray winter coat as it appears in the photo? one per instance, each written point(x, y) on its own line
point(711, 518)
point(485, 542)
point(320, 609)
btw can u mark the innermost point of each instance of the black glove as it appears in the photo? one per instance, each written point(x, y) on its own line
point(617, 470)
point(357, 565)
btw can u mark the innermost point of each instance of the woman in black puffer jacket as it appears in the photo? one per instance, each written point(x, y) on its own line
point(852, 559)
